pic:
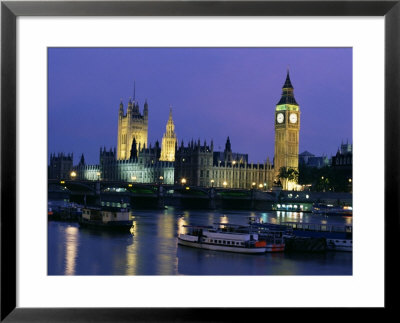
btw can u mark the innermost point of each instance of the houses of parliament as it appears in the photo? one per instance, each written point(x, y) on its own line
point(194, 164)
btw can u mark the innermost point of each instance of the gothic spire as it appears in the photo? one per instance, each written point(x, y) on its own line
point(82, 161)
point(228, 145)
point(287, 92)
point(133, 149)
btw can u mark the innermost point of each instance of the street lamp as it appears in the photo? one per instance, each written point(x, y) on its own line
point(224, 183)
point(253, 184)
point(73, 174)
point(183, 181)
point(212, 183)
point(133, 178)
point(98, 175)
point(260, 186)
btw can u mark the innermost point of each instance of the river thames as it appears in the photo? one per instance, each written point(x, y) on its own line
point(152, 249)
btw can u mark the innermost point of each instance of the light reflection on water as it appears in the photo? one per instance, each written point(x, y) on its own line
point(152, 248)
point(71, 242)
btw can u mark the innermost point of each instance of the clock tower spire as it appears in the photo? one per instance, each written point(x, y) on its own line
point(287, 128)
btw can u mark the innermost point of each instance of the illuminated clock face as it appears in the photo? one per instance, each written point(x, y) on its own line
point(293, 118)
point(279, 117)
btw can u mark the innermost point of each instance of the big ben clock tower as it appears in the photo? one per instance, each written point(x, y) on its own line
point(287, 128)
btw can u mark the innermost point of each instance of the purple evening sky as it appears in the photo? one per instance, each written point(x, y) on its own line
point(214, 92)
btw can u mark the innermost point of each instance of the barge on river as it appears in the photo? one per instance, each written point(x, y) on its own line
point(105, 217)
point(211, 238)
point(338, 237)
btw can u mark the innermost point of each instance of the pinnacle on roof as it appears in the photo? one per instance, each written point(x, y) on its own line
point(287, 92)
point(288, 83)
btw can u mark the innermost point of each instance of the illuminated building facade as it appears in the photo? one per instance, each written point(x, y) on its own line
point(168, 145)
point(145, 168)
point(200, 165)
point(132, 125)
point(287, 129)
point(195, 164)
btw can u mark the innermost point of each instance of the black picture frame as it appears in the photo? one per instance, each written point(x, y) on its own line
point(10, 10)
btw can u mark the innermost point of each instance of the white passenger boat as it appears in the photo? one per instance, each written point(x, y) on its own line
point(210, 238)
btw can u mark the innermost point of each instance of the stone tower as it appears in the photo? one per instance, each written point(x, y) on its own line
point(287, 128)
point(168, 145)
point(132, 125)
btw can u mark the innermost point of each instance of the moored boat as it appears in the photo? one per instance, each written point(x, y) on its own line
point(273, 235)
point(106, 218)
point(338, 237)
point(328, 209)
point(211, 238)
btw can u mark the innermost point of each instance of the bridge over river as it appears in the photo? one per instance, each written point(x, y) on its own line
point(158, 195)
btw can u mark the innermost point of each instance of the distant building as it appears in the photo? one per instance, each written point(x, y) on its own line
point(310, 160)
point(304, 157)
point(344, 157)
point(60, 166)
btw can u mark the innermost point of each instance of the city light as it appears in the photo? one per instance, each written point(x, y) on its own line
point(225, 183)
point(73, 174)
point(183, 181)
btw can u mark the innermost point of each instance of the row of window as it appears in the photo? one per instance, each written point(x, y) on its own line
point(226, 242)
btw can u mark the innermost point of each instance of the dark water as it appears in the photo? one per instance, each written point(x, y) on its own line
point(153, 249)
